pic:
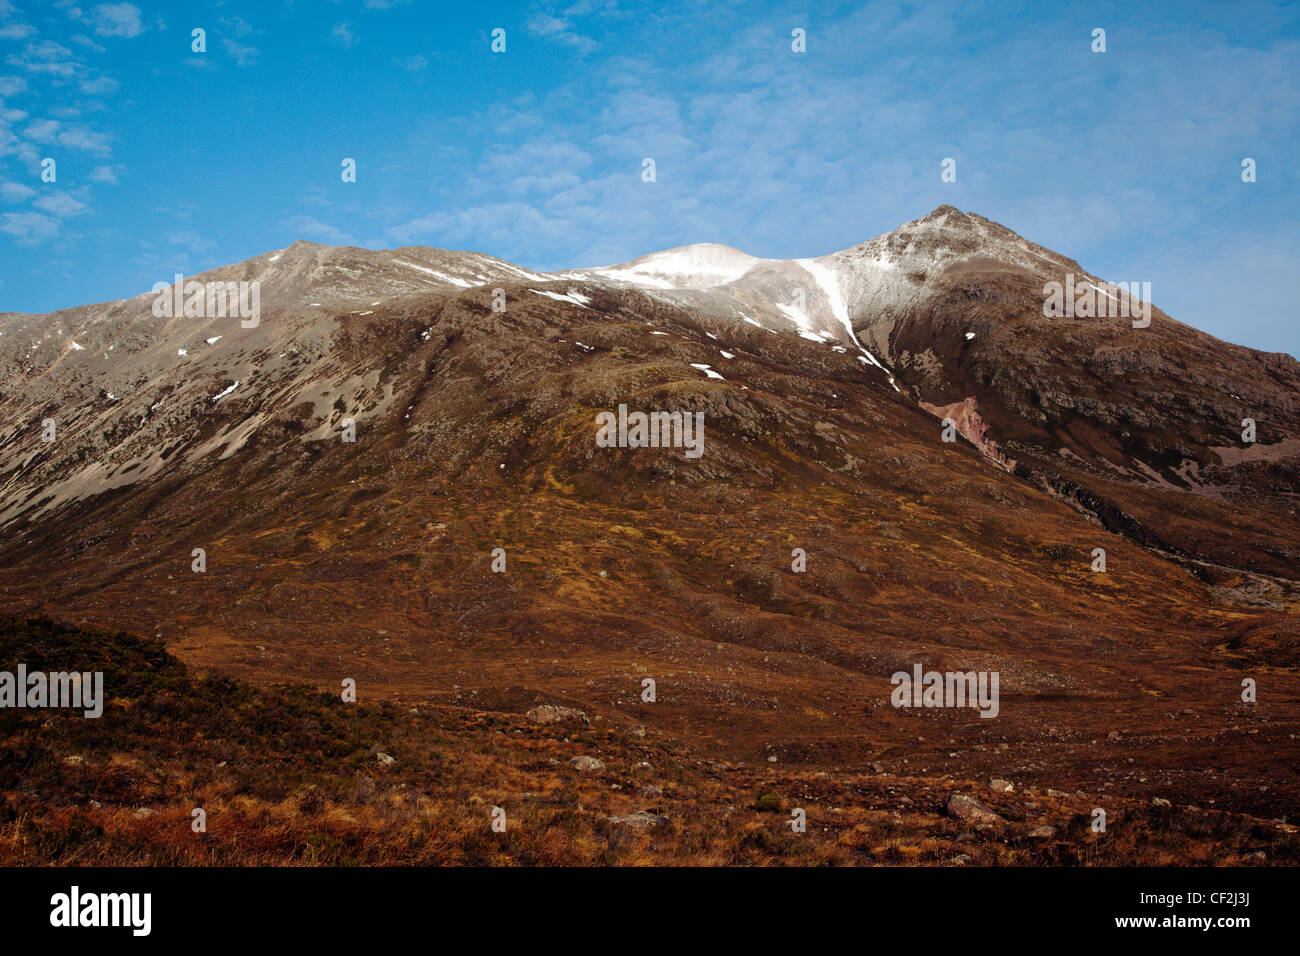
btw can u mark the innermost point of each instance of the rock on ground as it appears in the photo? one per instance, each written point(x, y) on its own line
point(968, 808)
point(554, 714)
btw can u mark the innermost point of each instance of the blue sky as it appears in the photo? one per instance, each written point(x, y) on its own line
point(1129, 160)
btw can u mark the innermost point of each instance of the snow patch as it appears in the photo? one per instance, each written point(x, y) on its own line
point(830, 286)
point(220, 395)
point(801, 323)
point(433, 272)
point(577, 298)
point(707, 371)
point(703, 265)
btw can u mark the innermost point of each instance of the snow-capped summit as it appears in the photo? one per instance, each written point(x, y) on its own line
point(702, 265)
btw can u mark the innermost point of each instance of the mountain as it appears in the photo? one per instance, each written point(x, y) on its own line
point(823, 384)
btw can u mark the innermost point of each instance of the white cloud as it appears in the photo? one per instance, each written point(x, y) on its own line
point(81, 138)
point(100, 86)
point(244, 55)
point(237, 25)
point(343, 34)
point(29, 228)
point(85, 41)
point(117, 20)
point(412, 64)
point(48, 50)
point(15, 192)
point(104, 174)
point(47, 58)
point(561, 31)
point(43, 131)
point(60, 205)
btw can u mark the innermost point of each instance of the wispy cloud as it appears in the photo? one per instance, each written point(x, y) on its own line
point(85, 139)
point(29, 228)
point(242, 53)
point(308, 227)
point(343, 35)
point(117, 20)
point(12, 24)
point(237, 26)
point(60, 205)
point(559, 30)
point(412, 64)
point(15, 192)
point(105, 174)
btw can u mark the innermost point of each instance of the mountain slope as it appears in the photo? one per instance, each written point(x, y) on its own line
point(820, 382)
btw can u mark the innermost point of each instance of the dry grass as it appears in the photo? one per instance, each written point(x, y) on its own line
point(292, 776)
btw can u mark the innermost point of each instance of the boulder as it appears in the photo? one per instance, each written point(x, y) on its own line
point(586, 763)
point(554, 714)
point(641, 820)
point(968, 808)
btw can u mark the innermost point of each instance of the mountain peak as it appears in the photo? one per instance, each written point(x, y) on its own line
point(944, 212)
